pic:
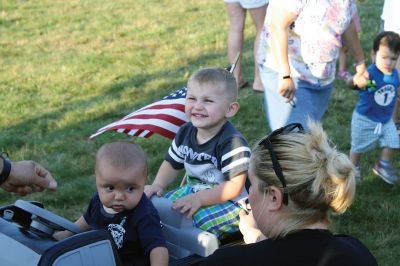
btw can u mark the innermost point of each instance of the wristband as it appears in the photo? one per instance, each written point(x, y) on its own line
point(286, 77)
point(5, 173)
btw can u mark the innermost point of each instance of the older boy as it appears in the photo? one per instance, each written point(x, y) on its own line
point(121, 207)
point(372, 118)
point(214, 154)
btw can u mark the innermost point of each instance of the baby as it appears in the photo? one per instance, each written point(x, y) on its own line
point(121, 207)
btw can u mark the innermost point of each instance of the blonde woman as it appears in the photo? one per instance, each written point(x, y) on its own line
point(297, 179)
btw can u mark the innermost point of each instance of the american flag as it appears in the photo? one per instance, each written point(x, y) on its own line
point(163, 117)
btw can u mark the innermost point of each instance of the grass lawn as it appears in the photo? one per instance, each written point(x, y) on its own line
point(68, 68)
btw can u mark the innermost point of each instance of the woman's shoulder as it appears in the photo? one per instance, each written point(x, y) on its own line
point(250, 254)
point(343, 249)
point(355, 252)
point(305, 246)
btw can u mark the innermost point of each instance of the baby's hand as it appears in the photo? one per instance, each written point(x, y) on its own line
point(60, 235)
point(190, 203)
point(150, 190)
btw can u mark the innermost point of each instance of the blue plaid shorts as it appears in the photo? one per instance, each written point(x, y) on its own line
point(217, 219)
point(365, 136)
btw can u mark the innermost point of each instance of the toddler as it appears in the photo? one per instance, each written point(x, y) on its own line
point(213, 153)
point(372, 118)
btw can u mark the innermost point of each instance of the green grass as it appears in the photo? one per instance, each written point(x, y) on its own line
point(68, 68)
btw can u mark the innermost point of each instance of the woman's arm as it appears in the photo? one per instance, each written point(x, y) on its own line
point(352, 42)
point(279, 26)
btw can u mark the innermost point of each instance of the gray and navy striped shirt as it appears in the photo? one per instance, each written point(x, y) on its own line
point(224, 156)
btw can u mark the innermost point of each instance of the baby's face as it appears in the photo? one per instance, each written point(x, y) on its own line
point(385, 59)
point(120, 188)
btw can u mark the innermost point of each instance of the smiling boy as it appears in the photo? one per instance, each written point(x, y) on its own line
point(213, 153)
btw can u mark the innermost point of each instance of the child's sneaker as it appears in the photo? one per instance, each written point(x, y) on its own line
point(387, 173)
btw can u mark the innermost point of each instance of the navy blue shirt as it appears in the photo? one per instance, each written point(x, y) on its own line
point(136, 232)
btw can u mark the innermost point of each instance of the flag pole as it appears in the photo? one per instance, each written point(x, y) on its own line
point(233, 65)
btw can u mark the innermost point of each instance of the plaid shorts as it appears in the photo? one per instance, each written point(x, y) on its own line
point(364, 135)
point(217, 219)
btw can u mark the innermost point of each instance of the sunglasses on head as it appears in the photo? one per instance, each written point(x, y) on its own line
point(266, 143)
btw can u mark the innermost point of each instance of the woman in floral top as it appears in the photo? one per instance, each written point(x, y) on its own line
point(298, 52)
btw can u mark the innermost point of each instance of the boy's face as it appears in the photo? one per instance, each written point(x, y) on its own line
point(385, 59)
point(119, 188)
point(207, 106)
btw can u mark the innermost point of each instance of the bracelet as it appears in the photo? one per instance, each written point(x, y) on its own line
point(5, 173)
point(286, 77)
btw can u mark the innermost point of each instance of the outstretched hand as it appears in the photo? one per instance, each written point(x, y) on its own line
point(27, 177)
point(188, 204)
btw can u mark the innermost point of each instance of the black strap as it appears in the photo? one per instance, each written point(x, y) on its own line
point(5, 173)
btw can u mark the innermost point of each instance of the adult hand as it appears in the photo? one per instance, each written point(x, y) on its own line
point(287, 89)
point(27, 177)
point(361, 77)
point(190, 204)
point(248, 227)
point(150, 190)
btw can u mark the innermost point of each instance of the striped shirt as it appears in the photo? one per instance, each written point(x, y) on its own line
point(221, 158)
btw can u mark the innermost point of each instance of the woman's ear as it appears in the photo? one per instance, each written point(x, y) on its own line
point(275, 195)
point(232, 109)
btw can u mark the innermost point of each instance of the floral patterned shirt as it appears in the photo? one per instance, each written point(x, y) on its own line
point(314, 39)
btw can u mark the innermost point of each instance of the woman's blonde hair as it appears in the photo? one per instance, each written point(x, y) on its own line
point(318, 178)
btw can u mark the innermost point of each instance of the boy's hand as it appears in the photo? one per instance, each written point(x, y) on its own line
point(190, 204)
point(150, 190)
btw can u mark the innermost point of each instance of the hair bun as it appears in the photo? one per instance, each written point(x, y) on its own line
point(335, 174)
